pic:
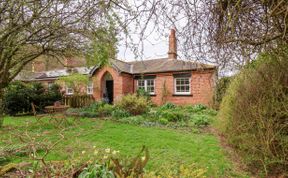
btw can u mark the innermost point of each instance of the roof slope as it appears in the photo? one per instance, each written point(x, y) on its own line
point(64, 72)
point(155, 66)
point(166, 65)
point(52, 74)
point(134, 67)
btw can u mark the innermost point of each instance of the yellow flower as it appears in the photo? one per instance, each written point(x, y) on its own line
point(105, 157)
point(94, 146)
point(143, 158)
point(83, 152)
point(107, 150)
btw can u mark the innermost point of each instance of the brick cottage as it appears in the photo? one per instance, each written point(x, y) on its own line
point(166, 79)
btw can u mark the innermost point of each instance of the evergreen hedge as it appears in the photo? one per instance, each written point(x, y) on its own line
point(19, 96)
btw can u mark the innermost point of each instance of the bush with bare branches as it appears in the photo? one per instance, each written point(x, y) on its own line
point(254, 113)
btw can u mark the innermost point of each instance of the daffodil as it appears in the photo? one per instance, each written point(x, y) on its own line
point(83, 152)
point(105, 157)
point(114, 152)
point(143, 158)
point(107, 150)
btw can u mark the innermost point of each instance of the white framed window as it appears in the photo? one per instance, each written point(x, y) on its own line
point(141, 84)
point(90, 88)
point(147, 84)
point(69, 91)
point(182, 85)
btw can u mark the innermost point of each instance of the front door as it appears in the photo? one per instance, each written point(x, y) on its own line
point(109, 87)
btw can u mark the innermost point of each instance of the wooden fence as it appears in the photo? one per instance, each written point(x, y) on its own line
point(78, 101)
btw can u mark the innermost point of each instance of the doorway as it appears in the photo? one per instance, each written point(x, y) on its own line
point(109, 89)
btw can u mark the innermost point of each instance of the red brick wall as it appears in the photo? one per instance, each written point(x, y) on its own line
point(202, 85)
point(127, 84)
point(123, 83)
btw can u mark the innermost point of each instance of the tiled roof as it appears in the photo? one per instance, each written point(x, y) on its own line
point(134, 67)
point(156, 66)
point(122, 66)
point(166, 65)
point(52, 74)
point(27, 76)
point(64, 72)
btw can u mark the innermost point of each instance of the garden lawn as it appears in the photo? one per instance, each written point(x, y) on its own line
point(167, 147)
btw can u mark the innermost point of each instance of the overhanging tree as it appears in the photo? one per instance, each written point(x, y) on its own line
point(224, 32)
point(29, 29)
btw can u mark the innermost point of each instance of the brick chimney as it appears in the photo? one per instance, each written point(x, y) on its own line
point(172, 53)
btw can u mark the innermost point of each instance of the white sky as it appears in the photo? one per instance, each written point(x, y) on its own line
point(153, 47)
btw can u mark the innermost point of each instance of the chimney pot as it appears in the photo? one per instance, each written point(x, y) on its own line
point(172, 53)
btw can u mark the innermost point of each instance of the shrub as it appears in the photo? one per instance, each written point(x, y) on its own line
point(254, 112)
point(211, 112)
point(105, 110)
point(168, 106)
point(19, 96)
point(198, 108)
point(200, 120)
point(172, 115)
point(96, 109)
point(88, 114)
point(111, 165)
point(95, 106)
point(136, 120)
point(142, 93)
point(163, 121)
point(120, 113)
point(96, 170)
point(134, 104)
point(220, 90)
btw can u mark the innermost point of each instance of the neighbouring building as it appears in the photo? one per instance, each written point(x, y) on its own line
point(166, 79)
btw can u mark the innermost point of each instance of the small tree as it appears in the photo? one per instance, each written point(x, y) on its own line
point(74, 81)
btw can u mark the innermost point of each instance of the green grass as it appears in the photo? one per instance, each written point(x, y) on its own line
point(167, 147)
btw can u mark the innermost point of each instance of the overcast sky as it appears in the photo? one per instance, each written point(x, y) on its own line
point(154, 46)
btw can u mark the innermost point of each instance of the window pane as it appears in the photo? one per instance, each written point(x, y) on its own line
point(150, 89)
point(141, 84)
point(182, 85)
point(150, 85)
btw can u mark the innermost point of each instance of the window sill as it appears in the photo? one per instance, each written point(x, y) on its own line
point(182, 95)
point(152, 95)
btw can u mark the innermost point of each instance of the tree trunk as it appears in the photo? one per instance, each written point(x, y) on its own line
point(1, 107)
